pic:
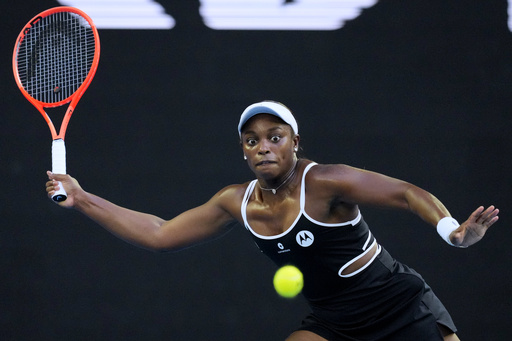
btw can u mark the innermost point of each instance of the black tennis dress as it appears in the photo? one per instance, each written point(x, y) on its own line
point(384, 300)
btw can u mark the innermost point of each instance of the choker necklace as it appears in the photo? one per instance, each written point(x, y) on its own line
point(290, 175)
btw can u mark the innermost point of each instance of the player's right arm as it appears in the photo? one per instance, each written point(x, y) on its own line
point(146, 230)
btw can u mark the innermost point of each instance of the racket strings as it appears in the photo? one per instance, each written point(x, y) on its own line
point(55, 56)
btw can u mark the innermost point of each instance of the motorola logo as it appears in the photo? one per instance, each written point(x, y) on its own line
point(305, 238)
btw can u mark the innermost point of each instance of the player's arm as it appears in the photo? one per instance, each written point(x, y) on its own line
point(349, 185)
point(146, 230)
point(356, 186)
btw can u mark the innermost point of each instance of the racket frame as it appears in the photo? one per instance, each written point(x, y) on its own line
point(74, 98)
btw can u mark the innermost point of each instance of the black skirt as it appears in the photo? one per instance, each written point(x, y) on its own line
point(387, 301)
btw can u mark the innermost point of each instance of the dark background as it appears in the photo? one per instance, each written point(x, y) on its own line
point(419, 90)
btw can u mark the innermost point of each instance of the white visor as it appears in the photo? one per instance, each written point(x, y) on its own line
point(268, 107)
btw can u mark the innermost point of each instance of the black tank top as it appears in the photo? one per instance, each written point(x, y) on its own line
point(320, 250)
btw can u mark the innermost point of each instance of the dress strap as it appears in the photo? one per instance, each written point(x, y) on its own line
point(245, 201)
point(303, 204)
point(303, 186)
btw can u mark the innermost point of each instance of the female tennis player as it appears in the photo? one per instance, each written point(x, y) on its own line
point(307, 215)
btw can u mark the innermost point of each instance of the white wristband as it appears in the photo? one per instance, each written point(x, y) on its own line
point(445, 227)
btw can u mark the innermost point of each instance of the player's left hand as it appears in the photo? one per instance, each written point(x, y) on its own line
point(473, 229)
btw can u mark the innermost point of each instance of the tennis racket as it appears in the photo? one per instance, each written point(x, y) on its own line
point(54, 61)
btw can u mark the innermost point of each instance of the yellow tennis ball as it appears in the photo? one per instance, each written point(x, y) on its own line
point(288, 281)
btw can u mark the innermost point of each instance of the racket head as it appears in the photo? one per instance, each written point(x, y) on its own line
point(56, 56)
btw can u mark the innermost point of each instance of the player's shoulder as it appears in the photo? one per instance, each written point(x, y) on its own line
point(328, 172)
point(330, 179)
point(230, 199)
point(232, 193)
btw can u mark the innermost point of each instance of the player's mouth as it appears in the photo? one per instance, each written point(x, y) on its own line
point(265, 162)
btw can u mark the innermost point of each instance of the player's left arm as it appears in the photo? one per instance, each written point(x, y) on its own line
point(358, 186)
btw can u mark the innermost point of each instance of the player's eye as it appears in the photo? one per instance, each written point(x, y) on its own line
point(275, 138)
point(251, 142)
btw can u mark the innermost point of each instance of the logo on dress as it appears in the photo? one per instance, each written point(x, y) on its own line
point(281, 248)
point(305, 238)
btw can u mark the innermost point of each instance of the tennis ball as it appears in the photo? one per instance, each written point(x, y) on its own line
point(288, 281)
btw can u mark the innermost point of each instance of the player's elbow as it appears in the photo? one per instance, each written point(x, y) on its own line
point(161, 242)
point(159, 245)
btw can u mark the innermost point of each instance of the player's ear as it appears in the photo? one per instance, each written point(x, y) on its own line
point(296, 140)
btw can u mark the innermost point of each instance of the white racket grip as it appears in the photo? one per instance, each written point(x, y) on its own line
point(59, 166)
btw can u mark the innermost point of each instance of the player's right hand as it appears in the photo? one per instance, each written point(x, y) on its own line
point(70, 185)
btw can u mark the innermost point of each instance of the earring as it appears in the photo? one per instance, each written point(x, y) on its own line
point(296, 149)
point(245, 157)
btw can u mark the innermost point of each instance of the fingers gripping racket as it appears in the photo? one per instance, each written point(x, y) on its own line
point(54, 61)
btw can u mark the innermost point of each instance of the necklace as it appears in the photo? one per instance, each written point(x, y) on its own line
point(288, 177)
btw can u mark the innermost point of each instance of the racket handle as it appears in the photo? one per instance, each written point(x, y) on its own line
point(59, 167)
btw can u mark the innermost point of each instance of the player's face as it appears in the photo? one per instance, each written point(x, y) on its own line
point(269, 145)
